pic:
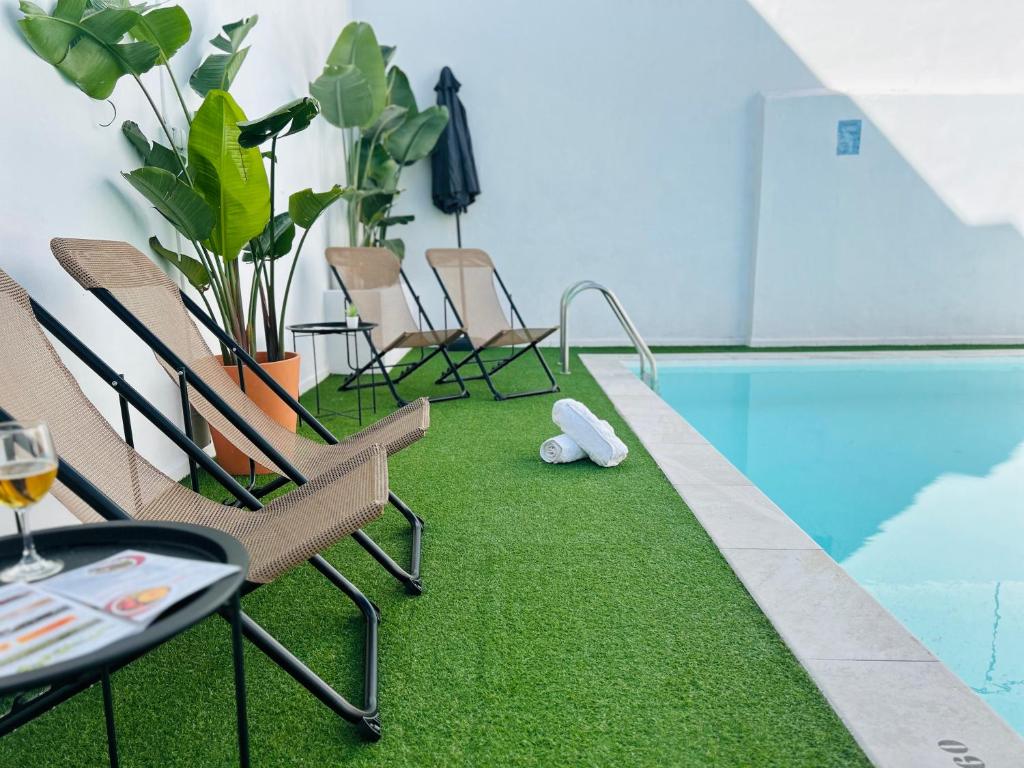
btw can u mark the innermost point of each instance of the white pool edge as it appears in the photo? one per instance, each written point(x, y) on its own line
point(897, 700)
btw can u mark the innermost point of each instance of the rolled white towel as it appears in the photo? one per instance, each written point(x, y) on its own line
point(561, 450)
point(593, 435)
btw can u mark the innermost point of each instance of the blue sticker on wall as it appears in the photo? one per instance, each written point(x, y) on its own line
point(848, 137)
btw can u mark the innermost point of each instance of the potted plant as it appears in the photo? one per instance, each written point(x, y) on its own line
point(352, 316)
point(218, 191)
point(383, 130)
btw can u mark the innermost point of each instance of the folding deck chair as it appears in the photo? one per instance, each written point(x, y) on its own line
point(372, 279)
point(101, 477)
point(138, 292)
point(467, 277)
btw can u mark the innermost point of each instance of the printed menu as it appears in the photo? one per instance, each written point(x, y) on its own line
point(85, 609)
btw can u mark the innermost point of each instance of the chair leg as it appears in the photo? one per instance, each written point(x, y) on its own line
point(454, 369)
point(410, 580)
point(499, 395)
point(367, 718)
point(417, 525)
point(392, 381)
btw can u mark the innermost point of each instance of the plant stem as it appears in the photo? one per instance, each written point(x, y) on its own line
point(163, 126)
point(268, 330)
point(177, 90)
point(288, 285)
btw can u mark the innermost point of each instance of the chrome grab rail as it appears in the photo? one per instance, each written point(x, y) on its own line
point(648, 365)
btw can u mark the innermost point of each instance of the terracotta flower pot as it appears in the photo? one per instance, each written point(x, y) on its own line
point(284, 372)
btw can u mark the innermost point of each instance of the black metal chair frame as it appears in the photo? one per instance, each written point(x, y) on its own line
point(410, 578)
point(377, 357)
point(366, 717)
point(474, 355)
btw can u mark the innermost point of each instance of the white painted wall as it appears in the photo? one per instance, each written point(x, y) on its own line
point(615, 141)
point(860, 249)
point(61, 168)
point(620, 142)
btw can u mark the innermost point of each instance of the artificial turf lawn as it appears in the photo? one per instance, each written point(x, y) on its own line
point(572, 615)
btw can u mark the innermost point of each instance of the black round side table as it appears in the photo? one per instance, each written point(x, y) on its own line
point(333, 328)
point(80, 545)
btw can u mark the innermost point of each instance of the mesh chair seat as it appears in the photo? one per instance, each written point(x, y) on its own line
point(428, 338)
point(515, 337)
point(372, 278)
point(150, 295)
point(467, 274)
point(470, 285)
point(289, 530)
point(294, 527)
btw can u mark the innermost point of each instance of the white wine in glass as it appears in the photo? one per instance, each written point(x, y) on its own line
point(28, 467)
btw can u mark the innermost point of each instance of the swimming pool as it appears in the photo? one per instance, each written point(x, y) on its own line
point(908, 472)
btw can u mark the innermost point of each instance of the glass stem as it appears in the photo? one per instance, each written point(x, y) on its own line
point(28, 547)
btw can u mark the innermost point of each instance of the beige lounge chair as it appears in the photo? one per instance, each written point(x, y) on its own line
point(145, 299)
point(468, 277)
point(103, 477)
point(372, 279)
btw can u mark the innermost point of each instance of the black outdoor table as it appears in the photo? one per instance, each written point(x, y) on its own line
point(332, 328)
point(80, 545)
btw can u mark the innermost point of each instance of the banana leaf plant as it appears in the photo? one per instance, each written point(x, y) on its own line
point(383, 130)
point(216, 191)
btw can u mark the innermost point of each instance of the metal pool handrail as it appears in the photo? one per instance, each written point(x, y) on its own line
point(648, 365)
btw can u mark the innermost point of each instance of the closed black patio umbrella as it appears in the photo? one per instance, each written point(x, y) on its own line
point(455, 184)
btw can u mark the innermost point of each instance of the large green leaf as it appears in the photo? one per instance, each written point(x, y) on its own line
point(305, 206)
point(230, 178)
point(230, 40)
point(376, 168)
point(394, 221)
point(194, 270)
point(357, 46)
point(291, 118)
point(344, 96)
point(275, 240)
point(137, 139)
point(150, 153)
point(417, 136)
point(167, 28)
point(388, 120)
point(187, 211)
point(50, 36)
point(218, 70)
point(86, 47)
point(375, 207)
point(400, 92)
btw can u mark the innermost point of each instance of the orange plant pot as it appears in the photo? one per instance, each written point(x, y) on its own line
point(284, 372)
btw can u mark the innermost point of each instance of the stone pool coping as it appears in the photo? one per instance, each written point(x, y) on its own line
point(904, 707)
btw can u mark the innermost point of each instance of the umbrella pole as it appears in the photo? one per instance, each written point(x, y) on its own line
point(458, 229)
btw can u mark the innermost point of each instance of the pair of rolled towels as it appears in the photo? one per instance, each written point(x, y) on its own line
point(583, 436)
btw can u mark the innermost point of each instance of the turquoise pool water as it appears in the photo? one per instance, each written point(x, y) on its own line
point(910, 473)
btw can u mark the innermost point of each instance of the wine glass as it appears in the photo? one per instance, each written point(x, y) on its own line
point(28, 466)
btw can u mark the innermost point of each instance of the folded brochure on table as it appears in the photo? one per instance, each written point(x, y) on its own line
point(82, 610)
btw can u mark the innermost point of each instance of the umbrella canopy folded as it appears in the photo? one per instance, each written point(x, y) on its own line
point(455, 183)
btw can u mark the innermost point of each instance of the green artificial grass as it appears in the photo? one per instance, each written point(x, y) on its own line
point(572, 616)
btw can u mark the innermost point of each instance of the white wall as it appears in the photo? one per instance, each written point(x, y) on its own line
point(860, 249)
point(615, 141)
point(620, 142)
point(61, 177)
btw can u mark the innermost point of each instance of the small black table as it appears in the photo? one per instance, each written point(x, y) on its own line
point(332, 328)
point(80, 545)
